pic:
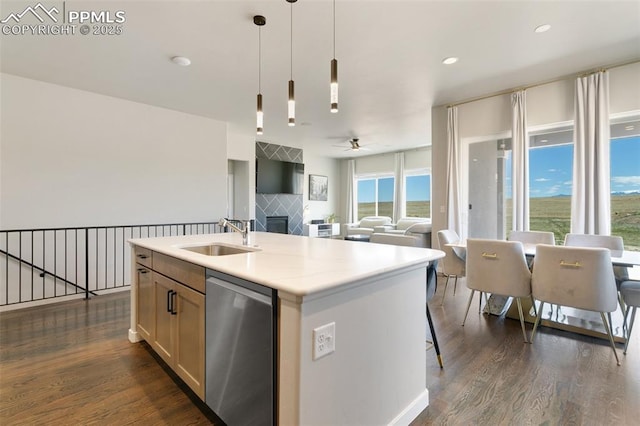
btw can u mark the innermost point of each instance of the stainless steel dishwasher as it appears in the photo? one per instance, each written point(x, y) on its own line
point(240, 349)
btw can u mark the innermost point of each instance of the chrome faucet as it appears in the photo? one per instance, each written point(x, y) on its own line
point(245, 231)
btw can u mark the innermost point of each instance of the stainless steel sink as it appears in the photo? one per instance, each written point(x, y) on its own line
point(218, 249)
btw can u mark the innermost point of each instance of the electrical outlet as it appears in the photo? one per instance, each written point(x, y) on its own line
point(324, 340)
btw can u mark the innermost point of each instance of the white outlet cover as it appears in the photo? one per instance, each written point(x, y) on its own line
point(324, 340)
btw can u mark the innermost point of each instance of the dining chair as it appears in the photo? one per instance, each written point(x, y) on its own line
point(453, 264)
point(533, 237)
point(612, 242)
point(579, 277)
point(498, 267)
point(631, 294)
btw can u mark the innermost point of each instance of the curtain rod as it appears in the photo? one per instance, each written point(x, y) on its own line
point(531, 86)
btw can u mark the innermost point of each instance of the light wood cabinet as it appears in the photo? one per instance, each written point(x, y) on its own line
point(146, 306)
point(179, 324)
point(171, 314)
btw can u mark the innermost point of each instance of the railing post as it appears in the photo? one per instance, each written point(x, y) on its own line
point(86, 263)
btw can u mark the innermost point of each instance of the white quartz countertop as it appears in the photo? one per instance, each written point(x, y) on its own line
point(295, 264)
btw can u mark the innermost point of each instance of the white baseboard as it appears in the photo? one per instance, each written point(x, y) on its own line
point(413, 410)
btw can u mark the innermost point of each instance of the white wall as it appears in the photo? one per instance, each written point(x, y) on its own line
point(73, 158)
point(241, 146)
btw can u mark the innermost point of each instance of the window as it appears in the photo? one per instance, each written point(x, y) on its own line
point(375, 196)
point(625, 183)
point(550, 182)
point(417, 187)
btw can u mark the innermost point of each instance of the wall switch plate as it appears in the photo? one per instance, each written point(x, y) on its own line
point(324, 340)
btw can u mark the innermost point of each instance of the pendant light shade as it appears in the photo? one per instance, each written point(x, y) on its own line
point(334, 67)
point(291, 103)
point(259, 116)
point(260, 21)
point(334, 85)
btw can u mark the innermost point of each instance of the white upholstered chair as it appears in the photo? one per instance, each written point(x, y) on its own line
point(453, 264)
point(579, 277)
point(533, 237)
point(612, 242)
point(420, 231)
point(366, 225)
point(396, 239)
point(630, 291)
point(498, 267)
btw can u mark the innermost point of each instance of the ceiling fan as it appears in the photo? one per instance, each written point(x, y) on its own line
point(355, 145)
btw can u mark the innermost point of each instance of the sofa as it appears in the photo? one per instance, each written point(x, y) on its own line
point(366, 225)
point(416, 227)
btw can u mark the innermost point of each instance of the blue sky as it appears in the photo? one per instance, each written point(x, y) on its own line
point(550, 168)
point(418, 189)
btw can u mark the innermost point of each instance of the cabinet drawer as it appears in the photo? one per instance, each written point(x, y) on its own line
point(179, 270)
point(143, 256)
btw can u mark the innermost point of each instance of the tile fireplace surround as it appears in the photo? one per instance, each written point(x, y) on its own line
point(289, 205)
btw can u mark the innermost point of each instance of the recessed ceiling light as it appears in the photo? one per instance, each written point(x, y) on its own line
point(542, 28)
point(450, 60)
point(181, 60)
point(544, 140)
point(629, 128)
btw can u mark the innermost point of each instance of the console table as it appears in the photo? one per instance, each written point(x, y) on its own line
point(322, 230)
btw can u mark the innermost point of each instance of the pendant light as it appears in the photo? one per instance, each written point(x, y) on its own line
point(260, 21)
point(334, 67)
point(291, 104)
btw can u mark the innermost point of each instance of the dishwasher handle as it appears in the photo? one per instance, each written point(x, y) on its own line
point(241, 290)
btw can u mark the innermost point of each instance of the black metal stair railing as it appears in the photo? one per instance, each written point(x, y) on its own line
point(47, 263)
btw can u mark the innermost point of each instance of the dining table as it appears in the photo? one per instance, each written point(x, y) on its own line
point(562, 317)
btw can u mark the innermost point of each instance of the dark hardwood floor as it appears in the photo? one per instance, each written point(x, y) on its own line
point(71, 363)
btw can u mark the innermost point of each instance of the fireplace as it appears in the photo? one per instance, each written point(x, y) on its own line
point(278, 224)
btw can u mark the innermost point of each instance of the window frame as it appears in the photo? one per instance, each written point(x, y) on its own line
point(376, 177)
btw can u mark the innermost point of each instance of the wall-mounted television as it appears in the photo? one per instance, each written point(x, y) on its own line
point(279, 177)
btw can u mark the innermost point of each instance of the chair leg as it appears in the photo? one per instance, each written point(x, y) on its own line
point(524, 333)
point(633, 317)
point(435, 339)
point(533, 303)
point(455, 285)
point(480, 302)
point(444, 292)
point(535, 325)
point(608, 329)
point(468, 306)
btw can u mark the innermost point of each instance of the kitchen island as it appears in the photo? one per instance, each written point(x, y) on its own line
point(374, 295)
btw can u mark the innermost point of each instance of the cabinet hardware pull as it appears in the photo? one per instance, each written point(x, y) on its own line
point(143, 256)
point(143, 271)
point(169, 300)
point(173, 303)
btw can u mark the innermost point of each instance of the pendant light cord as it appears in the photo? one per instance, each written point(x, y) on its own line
point(259, 59)
point(334, 29)
point(291, 36)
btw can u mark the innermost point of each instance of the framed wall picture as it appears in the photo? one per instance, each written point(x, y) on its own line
point(318, 187)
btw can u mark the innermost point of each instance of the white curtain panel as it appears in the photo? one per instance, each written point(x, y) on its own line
point(351, 213)
point(454, 213)
point(399, 209)
point(591, 196)
point(520, 163)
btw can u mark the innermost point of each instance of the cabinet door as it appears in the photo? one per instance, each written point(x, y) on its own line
point(146, 303)
point(190, 351)
point(163, 342)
